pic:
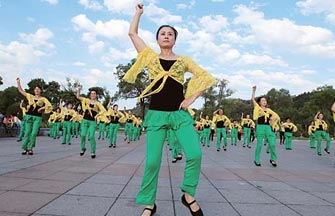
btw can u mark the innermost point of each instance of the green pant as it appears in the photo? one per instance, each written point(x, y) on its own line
point(55, 131)
point(131, 132)
point(113, 129)
point(75, 129)
point(234, 136)
point(22, 128)
point(206, 134)
point(312, 140)
point(127, 127)
point(319, 134)
point(221, 132)
point(157, 124)
point(102, 129)
point(288, 140)
point(32, 125)
point(201, 136)
point(88, 126)
point(265, 132)
point(137, 133)
point(67, 125)
point(246, 136)
point(174, 144)
point(107, 130)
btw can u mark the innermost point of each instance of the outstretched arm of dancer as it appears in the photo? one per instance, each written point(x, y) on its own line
point(333, 108)
point(253, 95)
point(133, 29)
point(316, 115)
point(78, 93)
point(21, 103)
point(19, 87)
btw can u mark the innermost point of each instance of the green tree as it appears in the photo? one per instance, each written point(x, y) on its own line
point(9, 96)
point(36, 82)
point(223, 92)
point(209, 97)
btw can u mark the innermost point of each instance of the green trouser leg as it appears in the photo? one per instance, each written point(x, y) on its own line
point(113, 129)
point(56, 130)
point(67, 132)
point(76, 129)
point(51, 131)
point(200, 136)
point(23, 127)
point(319, 134)
point(102, 128)
point(138, 133)
point(312, 141)
point(188, 139)
point(264, 132)
point(174, 144)
point(219, 134)
point(288, 140)
point(88, 127)
point(234, 136)
point(32, 125)
point(107, 130)
point(246, 136)
point(130, 132)
point(206, 134)
point(126, 128)
point(272, 146)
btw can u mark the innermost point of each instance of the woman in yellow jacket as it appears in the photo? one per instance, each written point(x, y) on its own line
point(235, 127)
point(68, 114)
point(76, 120)
point(290, 128)
point(311, 133)
point(221, 121)
point(23, 122)
point(321, 132)
point(207, 123)
point(116, 117)
point(168, 110)
point(265, 118)
point(247, 124)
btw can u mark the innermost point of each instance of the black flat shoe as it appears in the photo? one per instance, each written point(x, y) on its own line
point(319, 154)
point(82, 152)
point(152, 211)
point(30, 152)
point(114, 146)
point(273, 163)
point(110, 146)
point(174, 160)
point(179, 157)
point(217, 150)
point(188, 205)
point(93, 156)
point(24, 152)
point(326, 150)
point(225, 149)
point(257, 164)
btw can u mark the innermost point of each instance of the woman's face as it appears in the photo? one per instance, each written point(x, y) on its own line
point(166, 37)
point(207, 117)
point(320, 116)
point(220, 112)
point(312, 123)
point(37, 91)
point(263, 102)
point(93, 95)
point(69, 106)
point(248, 116)
point(115, 108)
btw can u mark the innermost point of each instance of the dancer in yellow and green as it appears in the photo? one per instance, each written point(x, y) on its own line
point(207, 123)
point(321, 132)
point(76, 120)
point(235, 127)
point(129, 127)
point(102, 120)
point(290, 128)
point(116, 117)
point(56, 123)
point(168, 110)
point(200, 130)
point(176, 149)
point(221, 122)
point(262, 114)
point(36, 106)
point(247, 124)
point(137, 128)
point(311, 133)
point(92, 109)
point(68, 115)
point(23, 122)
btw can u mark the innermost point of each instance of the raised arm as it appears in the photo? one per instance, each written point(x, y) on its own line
point(242, 115)
point(333, 108)
point(78, 93)
point(21, 107)
point(19, 87)
point(109, 104)
point(133, 29)
point(253, 95)
point(316, 115)
point(60, 104)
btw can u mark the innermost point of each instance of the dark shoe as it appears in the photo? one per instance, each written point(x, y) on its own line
point(243, 146)
point(174, 160)
point(319, 154)
point(273, 163)
point(69, 144)
point(257, 164)
point(63, 143)
point(313, 147)
point(249, 147)
point(224, 149)
point(203, 145)
point(125, 139)
point(128, 142)
point(24, 152)
point(30, 152)
point(326, 150)
point(19, 140)
point(82, 153)
point(93, 156)
point(152, 211)
point(110, 146)
point(188, 205)
point(217, 150)
point(267, 152)
point(179, 157)
point(114, 146)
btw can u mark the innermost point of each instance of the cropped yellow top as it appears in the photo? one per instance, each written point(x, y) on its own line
point(311, 129)
point(147, 58)
point(259, 112)
point(290, 126)
point(217, 118)
point(320, 125)
point(41, 102)
point(248, 122)
point(98, 107)
point(118, 114)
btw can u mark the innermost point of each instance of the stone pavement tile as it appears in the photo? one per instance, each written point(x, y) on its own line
point(163, 193)
point(48, 186)
point(4, 170)
point(8, 183)
point(13, 214)
point(314, 210)
point(70, 205)
point(233, 185)
point(315, 186)
point(329, 196)
point(135, 180)
point(68, 176)
point(108, 179)
point(202, 195)
point(203, 183)
point(24, 202)
point(219, 174)
point(208, 208)
point(120, 169)
point(30, 173)
point(93, 189)
point(264, 210)
point(248, 196)
point(269, 185)
point(127, 207)
point(296, 197)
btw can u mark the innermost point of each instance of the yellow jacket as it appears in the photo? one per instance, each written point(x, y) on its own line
point(77, 118)
point(259, 112)
point(24, 111)
point(111, 113)
point(137, 122)
point(248, 122)
point(236, 125)
point(199, 125)
point(103, 118)
point(200, 81)
point(98, 107)
point(65, 112)
point(311, 129)
point(217, 118)
point(290, 126)
point(319, 123)
point(42, 102)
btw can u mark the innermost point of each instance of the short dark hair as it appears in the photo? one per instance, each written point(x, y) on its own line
point(115, 105)
point(258, 100)
point(40, 87)
point(174, 30)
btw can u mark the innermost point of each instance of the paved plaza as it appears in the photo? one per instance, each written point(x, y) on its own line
point(56, 181)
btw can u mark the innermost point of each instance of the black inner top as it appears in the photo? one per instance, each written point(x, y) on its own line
point(87, 115)
point(220, 124)
point(68, 117)
point(261, 120)
point(34, 112)
point(114, 119)
point(170, 97)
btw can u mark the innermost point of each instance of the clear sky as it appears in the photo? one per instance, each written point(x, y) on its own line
point(281, 44)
